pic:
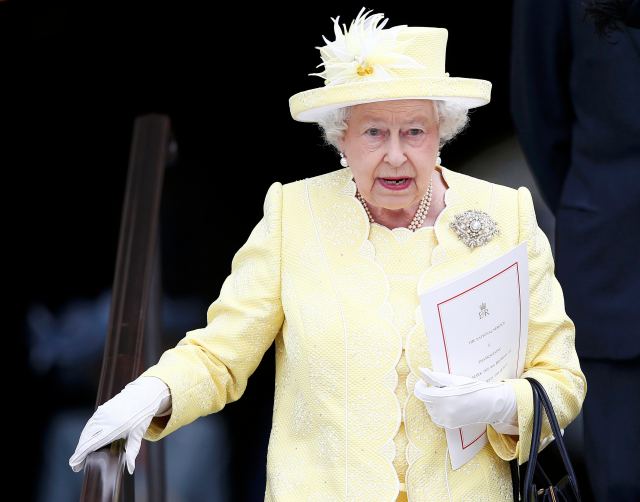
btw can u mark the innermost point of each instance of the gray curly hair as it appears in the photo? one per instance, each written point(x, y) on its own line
point(453, 119)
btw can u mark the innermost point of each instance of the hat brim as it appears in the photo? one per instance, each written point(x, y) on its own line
point(312, 105)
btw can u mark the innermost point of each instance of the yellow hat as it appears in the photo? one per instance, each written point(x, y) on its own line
point(368, 63)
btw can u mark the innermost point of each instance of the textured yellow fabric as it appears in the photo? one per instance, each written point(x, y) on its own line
point(403, 255)
point(308, 278)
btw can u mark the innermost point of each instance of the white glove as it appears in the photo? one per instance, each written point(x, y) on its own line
point(126, 415)
point(456, 401)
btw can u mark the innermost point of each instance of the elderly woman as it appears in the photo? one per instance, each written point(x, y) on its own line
point(333, 274)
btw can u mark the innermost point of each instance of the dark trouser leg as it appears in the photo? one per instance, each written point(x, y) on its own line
point(612, 429)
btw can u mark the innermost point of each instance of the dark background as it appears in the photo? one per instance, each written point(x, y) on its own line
point(77, 74)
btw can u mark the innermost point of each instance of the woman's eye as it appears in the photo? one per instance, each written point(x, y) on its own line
point(415, 132)
point(374, 132)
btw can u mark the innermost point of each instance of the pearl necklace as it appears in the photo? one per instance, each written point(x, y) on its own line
point(421, 213)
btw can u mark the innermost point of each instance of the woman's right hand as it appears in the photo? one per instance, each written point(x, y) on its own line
point(126, 415)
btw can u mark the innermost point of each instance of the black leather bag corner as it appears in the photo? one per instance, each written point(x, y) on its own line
point(536, 485)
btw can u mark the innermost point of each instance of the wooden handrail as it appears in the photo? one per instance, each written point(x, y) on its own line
point(106, 484)
point(132, 290)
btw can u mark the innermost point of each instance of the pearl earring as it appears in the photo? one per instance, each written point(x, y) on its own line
point(343, 160)
point(438, 159)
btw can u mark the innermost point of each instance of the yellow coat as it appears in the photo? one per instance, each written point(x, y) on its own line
point(307, 279)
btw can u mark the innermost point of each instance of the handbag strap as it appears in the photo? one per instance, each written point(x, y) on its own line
point(541, 401)
point(557, 433)
point(535, 441)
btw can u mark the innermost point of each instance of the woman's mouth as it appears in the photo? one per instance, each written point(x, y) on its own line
point(395, 183)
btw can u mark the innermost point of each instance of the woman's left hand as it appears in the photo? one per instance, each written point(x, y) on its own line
point(456, 401)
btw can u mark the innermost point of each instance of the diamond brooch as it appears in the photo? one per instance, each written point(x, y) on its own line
point(474, 228)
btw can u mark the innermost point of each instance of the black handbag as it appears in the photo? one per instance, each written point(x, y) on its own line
point(536, 485)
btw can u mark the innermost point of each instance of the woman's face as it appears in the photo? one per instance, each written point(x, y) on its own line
point(391, 147)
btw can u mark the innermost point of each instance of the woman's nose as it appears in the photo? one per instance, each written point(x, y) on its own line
point(395, 152)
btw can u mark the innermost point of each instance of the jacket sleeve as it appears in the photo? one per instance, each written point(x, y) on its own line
point(210, 366)
point(551, 356)
point(541, 104)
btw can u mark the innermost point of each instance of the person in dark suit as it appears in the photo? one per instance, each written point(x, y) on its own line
point(576, 107)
